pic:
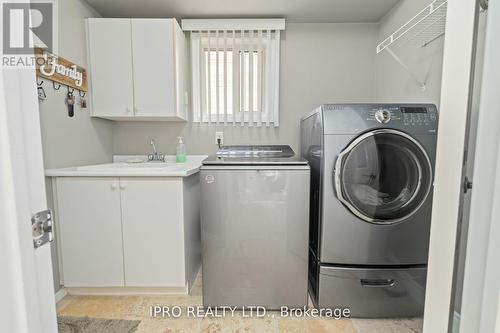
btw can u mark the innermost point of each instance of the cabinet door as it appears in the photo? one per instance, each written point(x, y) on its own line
point(89, 222)
point(153, 235)
point(154, 79)
point(110, 53)
point(181, 72)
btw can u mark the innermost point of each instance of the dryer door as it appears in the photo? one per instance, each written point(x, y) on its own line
point(383, 176)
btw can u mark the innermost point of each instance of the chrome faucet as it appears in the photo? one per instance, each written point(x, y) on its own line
point(155, 157)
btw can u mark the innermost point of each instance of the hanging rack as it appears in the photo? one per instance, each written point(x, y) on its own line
point(423, 29)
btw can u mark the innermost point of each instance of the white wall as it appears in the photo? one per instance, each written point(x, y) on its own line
point(394, 84)
point(320, 63)
point(81, 139)
point(497, 329)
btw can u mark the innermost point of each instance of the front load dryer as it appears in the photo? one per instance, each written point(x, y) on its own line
point(371, 197)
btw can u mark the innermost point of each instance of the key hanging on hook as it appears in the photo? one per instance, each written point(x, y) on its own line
point(41, 92)
point(83, 101)
point(70, 102)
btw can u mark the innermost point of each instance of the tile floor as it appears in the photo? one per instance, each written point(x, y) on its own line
point(138, 308)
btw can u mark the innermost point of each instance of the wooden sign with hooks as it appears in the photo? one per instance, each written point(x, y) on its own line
point(60, 70)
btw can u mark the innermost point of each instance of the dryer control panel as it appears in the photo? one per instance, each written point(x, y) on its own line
point(355, 118)
point(383, 114)
point(408, 115)
point(418, 116)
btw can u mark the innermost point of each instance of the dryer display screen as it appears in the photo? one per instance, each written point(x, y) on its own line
point(410, 109)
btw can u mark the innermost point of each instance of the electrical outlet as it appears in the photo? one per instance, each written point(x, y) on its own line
point(219, 136)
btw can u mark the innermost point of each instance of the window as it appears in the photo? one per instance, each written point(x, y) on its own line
point(219, 82)
point(235, 76)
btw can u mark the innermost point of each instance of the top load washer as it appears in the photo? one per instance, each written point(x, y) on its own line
point(254, 227)
point(371, 198)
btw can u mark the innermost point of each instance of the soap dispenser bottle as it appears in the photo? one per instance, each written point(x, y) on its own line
point(180, 155)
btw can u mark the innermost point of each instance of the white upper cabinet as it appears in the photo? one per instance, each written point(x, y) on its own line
point(138, 69)
point(111, 67)
point(153, 54)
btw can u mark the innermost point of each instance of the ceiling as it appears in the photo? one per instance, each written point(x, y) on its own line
point(292, 10)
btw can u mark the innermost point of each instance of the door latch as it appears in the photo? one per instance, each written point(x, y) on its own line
point(41, 226)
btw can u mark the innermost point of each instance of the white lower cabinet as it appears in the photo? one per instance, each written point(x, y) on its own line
point(90, 231)
point(128, 231)
point(152, 233)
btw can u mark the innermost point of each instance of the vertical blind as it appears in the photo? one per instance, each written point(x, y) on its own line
point(235, 75)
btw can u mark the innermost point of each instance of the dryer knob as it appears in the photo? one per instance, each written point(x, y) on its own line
point(383, 116)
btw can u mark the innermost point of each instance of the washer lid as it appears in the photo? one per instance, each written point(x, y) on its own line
point(255, 154)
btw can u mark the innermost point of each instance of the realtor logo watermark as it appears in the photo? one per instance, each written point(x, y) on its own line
point(26, 25)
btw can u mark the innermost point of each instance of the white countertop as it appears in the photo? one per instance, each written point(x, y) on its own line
point(121, 168)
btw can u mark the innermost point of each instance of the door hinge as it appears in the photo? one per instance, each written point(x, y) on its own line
point(467, 185)
point(41, 226)
point(483, 4)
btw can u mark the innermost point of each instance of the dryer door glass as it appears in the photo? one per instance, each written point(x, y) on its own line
point(383, 176)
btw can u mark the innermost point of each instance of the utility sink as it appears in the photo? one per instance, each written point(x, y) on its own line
point(142, 169)
point(160, 166)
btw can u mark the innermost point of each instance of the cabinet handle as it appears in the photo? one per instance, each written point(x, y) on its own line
point(114, 186)
point(123, 186)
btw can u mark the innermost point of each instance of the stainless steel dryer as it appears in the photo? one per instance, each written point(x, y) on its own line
point(371, 196)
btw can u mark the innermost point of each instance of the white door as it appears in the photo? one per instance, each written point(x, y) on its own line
point(110, 54)
point(480, 289)
point(89, 222)
point(181, 72)
point(153, 237)
point(154, 67)
point(480, 307)
point(27, 302)
point(468, 170)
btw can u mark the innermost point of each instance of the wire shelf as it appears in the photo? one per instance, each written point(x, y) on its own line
point(424, 28)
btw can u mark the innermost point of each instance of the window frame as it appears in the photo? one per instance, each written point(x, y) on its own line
point(267, 46)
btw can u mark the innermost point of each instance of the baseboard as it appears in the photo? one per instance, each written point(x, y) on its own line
point(127, 291)
point(60, 294)
point(456, 322)
point(191, 283)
